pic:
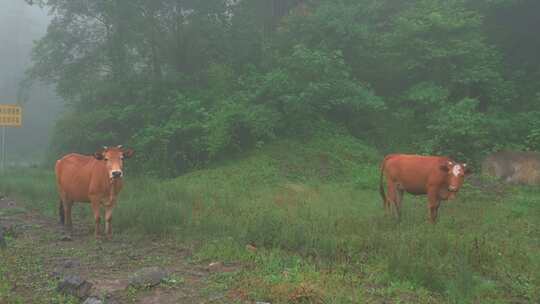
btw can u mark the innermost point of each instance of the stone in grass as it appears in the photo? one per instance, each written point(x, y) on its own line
point(66, 237)
point(110, 299)
point(69, 266)
point(74, 285)
point(71, 263)
point(92, 300)
point(215, 266)
point(147, 277)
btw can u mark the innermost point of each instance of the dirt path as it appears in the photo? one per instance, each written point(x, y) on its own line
point(36, 258)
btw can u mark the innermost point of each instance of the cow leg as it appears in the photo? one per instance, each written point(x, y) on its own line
point(433, 206)
point(61, 212)
point(67, 215)
point(108, 221)
point(95, 209)
point(391, 198)
point(399, 199)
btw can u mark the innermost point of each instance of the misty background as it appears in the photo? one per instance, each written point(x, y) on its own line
point(188, 84)
point(20, 25)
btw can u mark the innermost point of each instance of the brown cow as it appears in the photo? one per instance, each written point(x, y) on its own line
point(93, 179)
point(438, 177)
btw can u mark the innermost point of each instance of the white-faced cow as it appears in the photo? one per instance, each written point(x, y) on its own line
point(438, 177)
point(93, 179)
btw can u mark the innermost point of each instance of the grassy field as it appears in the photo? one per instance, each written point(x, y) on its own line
point(314, 214)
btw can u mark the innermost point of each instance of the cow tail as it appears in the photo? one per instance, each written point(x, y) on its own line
point(61, 212)
point(381, 186)
point(60, 204)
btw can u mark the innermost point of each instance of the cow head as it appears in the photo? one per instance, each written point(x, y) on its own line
point(456, 173)
point(114, 157)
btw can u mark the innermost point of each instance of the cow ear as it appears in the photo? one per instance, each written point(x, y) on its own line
point(128, 153)
point(99, 155)
point(444, 168)
point(467, 169)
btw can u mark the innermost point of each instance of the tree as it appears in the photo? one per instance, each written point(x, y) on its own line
point(190, 81)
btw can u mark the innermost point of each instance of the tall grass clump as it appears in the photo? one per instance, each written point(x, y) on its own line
point(36, 186)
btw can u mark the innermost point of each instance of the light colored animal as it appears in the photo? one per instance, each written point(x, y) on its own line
point(93, 179)
point(438, 177)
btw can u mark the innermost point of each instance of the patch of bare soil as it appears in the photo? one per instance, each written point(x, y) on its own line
point(107, 265)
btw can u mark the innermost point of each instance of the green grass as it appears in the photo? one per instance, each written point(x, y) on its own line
point(22, 269)
point(315, 215)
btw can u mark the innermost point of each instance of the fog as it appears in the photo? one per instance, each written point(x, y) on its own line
point(20, 26)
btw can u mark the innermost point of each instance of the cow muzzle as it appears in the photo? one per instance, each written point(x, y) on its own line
point(452, 189)
point(116, 174)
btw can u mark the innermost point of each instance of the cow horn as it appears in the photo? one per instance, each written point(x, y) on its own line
point(105, 147)
point(119, 146)
point(464, 165)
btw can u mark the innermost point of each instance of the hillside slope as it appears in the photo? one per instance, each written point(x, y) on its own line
point(303, 223)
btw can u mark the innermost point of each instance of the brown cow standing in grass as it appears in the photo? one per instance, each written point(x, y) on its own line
point(95, 179)
point(438, 177)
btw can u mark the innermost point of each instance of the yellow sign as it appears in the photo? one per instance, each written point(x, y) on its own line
point(10, 115)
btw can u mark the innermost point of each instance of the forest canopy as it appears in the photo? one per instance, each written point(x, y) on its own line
point(188, 82)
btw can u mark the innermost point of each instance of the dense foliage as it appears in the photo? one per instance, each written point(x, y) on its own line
point(188, 82)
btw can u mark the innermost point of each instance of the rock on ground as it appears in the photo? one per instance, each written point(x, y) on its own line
point(66, 268)
point(92, 300)
point(514, 167)
point(147, 277)
point(75, 285)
